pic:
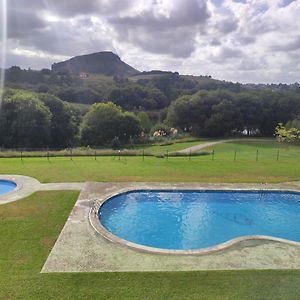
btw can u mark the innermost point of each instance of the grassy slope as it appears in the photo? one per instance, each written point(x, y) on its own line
point(30, 227)
point(176, 169)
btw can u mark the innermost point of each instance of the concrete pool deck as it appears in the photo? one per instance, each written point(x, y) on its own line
point(27, 185)
point(80, 248)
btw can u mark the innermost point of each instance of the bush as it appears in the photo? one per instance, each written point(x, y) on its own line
point(160, 130)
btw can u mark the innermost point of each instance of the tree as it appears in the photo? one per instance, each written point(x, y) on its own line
point(105, 121)
point(286, 135)
point(190, 113)
point(145, 121)
point(251, 111)
point(63, 121)
point(293, 124)
point(130, 126)
point(24, 121)
point(225, 117)
point(77, 94)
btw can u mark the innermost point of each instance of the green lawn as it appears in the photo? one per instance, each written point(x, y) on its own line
point(175, 169)
point(247, 151)
point(29, 228)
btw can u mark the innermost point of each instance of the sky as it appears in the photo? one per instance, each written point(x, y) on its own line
point(236, 40)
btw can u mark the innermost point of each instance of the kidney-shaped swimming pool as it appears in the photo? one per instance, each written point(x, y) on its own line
point(186, 220)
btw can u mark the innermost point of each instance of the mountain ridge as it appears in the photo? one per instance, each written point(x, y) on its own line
point(104, 62)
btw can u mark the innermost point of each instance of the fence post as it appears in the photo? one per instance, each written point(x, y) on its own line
point(48, 153)
point(119, 154)
point(234, 158)
point(71, 153)
point(143, 154)
point(167, 155)
point(277, 158)
point(213, 155)
point(21, 155)
point(257, 155)
point(95, 154)
point(190, 154)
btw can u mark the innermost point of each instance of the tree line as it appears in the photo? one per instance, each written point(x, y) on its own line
point(39, 120)
point(221, 113)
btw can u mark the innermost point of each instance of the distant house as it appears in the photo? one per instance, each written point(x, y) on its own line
point(83, 75)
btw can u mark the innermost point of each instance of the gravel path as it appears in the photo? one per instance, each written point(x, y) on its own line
point(209, 144)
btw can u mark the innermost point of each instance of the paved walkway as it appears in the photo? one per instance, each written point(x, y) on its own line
point(206, 145)
point(27, 185)
point(71, 186)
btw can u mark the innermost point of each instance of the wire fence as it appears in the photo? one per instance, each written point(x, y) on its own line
point(211, 154)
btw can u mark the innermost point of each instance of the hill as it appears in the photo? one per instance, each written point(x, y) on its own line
point(106, 63)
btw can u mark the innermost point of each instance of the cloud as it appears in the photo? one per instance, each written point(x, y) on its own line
point(21, 22)
point(226, 53)
point(241, 40)
point(166, 29)
point(292, 45)
point(81, 36)
point(226, 26)
point(72, 8)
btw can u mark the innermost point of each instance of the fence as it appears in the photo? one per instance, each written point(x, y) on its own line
point(234, 155)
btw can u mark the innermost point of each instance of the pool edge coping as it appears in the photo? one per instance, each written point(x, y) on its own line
point(102, 231)
point(25, 185)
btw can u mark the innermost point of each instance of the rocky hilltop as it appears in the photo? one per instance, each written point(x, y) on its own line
point(106, 63)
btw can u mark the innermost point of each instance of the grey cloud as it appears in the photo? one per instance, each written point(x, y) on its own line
point(25, 16)
point(288, 46)
point(30, 31)
point(227, 53)
point(215, 42)
point(32, 62)
point(227, 25)
point(287, 2)
point(71, 8)
point(252, 64)
point(188, 30)
point(245, 40)
point(260, 26)
point(173, 34)
point(22, 20)
point(63, 39)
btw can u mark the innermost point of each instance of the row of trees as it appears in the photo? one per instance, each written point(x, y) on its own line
point(38, 120)
point(220, 113)
point(30, 120)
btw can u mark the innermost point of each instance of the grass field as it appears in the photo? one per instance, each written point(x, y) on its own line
point(174, 169)
point(30, 227)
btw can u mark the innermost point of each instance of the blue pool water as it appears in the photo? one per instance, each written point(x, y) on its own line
point(185, 220)
point(6, 186)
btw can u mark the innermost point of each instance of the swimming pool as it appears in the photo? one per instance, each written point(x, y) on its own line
point(6, 186)
point(187, 220)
